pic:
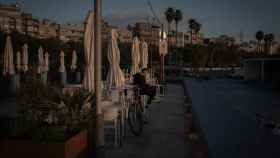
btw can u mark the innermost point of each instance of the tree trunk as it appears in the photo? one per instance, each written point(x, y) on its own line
point(191, 37)
point(258, 47)
point(168, 44)
point(270, 47)
point(176, 55)
point(176, 33)
point(265, 48)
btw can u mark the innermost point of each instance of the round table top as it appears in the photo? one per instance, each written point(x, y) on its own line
point(125, 87)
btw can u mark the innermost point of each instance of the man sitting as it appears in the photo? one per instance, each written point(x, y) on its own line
point(139, 79)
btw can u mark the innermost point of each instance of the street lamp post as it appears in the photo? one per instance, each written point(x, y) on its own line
point(99, 135)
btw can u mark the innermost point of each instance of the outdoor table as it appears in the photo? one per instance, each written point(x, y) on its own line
point(125, 90)
point(71, 88)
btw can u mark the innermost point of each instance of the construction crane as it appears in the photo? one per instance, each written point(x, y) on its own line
point(156, 18)
point(153, 12)
point(162, 26)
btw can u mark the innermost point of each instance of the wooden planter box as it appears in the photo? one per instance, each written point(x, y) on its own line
point(27, 149)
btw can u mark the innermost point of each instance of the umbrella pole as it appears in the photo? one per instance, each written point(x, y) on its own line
point(99, 120)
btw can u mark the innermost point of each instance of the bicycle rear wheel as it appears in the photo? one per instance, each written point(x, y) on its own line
point(135, 120)
point(147, 114)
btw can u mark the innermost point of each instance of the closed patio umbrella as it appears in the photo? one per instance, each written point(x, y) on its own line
point(74, 61)
point(62, 69)
point(18, 61)
point(8, 63)
point(144, 55)
point(135, 55)
point(25, 58)
point(47, 61)
point(115, 77)
point(41, 61)
point(62, 61)
point(88, 81)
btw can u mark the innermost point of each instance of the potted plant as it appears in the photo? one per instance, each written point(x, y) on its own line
point(50, 124)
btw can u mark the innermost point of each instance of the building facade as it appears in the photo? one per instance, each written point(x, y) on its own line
point(71, 32)
point(12, 18)
point(125, 35)
point(48, 29)
point(106, 30)
point(147, 32)
point(181, 39)
point(193, 37)
point(30, 25)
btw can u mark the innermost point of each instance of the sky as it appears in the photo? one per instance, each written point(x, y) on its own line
point(217, 17)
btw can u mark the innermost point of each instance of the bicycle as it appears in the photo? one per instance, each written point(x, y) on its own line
point(137, 114)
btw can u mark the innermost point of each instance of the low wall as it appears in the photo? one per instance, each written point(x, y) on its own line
point(267, 70)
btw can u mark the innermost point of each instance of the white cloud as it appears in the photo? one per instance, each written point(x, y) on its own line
point(125, 17)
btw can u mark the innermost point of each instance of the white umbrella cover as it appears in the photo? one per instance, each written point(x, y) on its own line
point(88, 81)
point(135, 55)
point(18, 61)
point(115, 77)
point(74, 61)
point(47, 62)
point(8, 58)
point(25, 58)
point(40, 61)
point(62, 63)
point(144, 55)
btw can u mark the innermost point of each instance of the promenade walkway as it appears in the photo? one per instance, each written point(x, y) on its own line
point(164, 136)
point(226, 110)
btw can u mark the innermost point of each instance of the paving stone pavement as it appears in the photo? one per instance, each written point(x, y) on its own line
point(164, 136)
point(226, 110)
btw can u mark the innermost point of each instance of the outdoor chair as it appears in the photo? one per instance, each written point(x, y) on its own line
point(115, 114)
point(160, 90)
point(112, 119)
point(110, 110)
point(128, 100)
point(124, 98)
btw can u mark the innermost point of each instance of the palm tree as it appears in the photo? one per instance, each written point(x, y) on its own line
point(169, 15)
point(259, 37)
point(178, 16)
point(268, 38)
point(192, 26)
point(271, 40)
point(197, 27)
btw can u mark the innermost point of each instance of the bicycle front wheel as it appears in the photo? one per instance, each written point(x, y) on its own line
point(135, 120)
